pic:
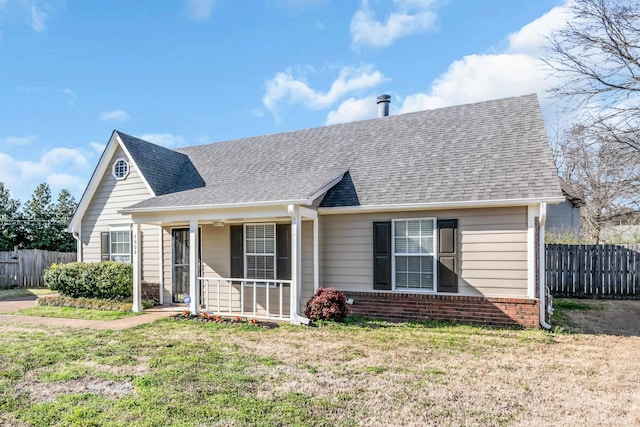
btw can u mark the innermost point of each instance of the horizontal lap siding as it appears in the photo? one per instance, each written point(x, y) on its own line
point(150, 253)
point(307, 264)
point(492, 243)
point(102, 213)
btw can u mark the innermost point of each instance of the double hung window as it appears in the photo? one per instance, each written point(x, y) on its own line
point(260, 251)
point(120, 245)
point(414, 254)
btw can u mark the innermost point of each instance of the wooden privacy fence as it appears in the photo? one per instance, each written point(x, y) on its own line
point(593, 271)
point(25, 268)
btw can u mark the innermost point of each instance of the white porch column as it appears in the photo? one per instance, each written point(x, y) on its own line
point(316, 255)
point(137, 270)
point(194, 305)
point(296, 261)
point(533, 211)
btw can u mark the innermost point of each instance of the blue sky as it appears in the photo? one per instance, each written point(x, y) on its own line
point(187, 72)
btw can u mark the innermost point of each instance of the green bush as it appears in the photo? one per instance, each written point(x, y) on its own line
point(104, 280)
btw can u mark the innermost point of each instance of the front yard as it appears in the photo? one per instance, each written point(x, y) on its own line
point(177, 372)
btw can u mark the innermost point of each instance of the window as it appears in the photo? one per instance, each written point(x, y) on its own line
point(120, 245)
point(414, 254)
point(120, 169)
point(260, 247)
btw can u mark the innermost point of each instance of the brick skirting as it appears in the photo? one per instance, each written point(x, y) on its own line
point(523, 312)
point(151, 291)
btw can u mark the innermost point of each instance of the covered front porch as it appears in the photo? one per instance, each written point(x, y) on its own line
point(257, 262)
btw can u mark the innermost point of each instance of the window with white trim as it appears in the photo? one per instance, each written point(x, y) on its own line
point(414, 259)
point(120, 169)
point(120, 244)
point(260, 251)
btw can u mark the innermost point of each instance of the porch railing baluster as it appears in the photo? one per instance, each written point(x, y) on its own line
point(230, 306)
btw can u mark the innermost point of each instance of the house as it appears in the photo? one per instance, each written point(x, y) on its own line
point(565, 216)
point(436, 214)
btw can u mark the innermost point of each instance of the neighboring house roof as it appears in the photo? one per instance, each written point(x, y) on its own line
point(489, 151)
point(573, 195)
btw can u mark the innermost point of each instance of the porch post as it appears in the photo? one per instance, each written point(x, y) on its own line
point(194, 305)
point(296, 261)
point(137, 261)
point(316, 255)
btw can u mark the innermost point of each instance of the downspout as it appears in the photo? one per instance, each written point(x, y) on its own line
point(541, 273)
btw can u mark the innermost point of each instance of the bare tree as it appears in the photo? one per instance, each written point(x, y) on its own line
point(606, 174)
point(597, 57)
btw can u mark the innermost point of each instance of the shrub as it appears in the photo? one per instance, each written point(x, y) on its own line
point(327, 304)
point(104, 280)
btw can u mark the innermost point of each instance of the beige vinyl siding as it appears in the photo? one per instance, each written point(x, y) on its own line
point(112, 195)
point(150, 253)
point(492, 248)
point(216, 262)
point(307, 264)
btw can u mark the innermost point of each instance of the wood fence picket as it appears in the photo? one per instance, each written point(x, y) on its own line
point(593, 271)
point(25, 268)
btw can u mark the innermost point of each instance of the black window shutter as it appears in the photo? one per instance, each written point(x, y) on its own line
point(237, 251)
point(447, 255)
point(382, 256)
point(283, 251)
point(104, 246)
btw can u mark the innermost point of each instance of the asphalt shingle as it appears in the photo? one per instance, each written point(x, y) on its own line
point(494, 150)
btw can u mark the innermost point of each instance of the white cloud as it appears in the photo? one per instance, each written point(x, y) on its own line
point(18, 140)
point(200, 9)
point(97, 147)
point(38, 16)
point(22, 176)
point(284, 88)
point(408, 17)
point(531, 38)
point(61, 156)
point(256, 112)
point(75, 184)
point(117, 115)
point(473, 78)
point(354, 109)
point(71, 97)
point(164, 139)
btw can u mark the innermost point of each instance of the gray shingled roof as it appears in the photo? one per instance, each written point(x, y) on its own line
point(175, 166)
point(495, 150)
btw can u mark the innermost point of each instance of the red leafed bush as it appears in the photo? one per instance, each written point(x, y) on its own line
point(327, 304)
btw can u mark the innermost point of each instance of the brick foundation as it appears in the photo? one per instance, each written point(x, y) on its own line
point(151, 291)
point(522, 312)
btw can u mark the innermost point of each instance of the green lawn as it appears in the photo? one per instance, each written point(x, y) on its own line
point(23, 292)
point(186, 373)
point(75, 313)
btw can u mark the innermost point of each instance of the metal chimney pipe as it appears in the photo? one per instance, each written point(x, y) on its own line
point(383, 105)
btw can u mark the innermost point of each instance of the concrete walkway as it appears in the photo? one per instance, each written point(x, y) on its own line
point(12, 305)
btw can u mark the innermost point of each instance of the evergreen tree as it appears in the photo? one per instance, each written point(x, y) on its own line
point(39, 216)
point(62, 214)
point(10, 225)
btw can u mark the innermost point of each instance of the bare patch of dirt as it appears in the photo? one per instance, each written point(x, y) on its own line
point(608, 317)
point(47, 392)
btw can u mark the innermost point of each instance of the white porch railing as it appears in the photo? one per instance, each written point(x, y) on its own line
point(259, 299)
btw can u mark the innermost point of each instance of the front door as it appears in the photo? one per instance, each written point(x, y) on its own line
point(180, 249)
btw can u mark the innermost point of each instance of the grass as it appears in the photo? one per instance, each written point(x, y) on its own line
point(177, 372)
point(23, 292)
point(562, 307)
point(74, 313)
